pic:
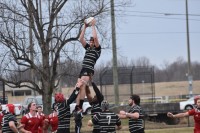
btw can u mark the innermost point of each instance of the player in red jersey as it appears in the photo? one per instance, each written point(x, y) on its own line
point(40, 112)
point(31, 121)
point(1, 116)
point(193, 112)
point(52, 120)
point(42, 117)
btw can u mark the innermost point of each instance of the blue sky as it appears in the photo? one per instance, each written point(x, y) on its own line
point(145, 30)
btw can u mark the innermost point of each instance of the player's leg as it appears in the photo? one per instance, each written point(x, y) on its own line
point(78, 97)
point(85, 80)
point(88, 94)
point(78, 120)
point(75, 93)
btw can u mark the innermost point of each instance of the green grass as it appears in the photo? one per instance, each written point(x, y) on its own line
point(149, 126)
point(168, 130)
point(171, 130)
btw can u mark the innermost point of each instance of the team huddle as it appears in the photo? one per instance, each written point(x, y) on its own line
point(102, 119)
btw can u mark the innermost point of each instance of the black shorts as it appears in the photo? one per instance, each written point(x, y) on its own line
point(63, 130)
point(86, 72)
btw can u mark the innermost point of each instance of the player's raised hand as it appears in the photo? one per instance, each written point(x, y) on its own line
point(169, 114)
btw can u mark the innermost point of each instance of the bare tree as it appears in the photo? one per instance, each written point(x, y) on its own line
point(55, 28)
point(175, 71)
point(141, 61)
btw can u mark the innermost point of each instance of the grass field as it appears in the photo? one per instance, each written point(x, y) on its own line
point(150, 127)
point(171, 130)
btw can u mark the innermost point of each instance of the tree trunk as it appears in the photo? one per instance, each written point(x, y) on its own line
point(47, 98)
point(47, 85)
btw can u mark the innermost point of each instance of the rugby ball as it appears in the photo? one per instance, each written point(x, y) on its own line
point(89, 20)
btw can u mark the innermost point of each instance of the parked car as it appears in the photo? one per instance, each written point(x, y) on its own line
point(29, 99)
point(38, 101)
point(86, 107)
point(18, 108)
point(188, 104)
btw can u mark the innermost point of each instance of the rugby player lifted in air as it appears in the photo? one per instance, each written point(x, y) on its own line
point(93, 52)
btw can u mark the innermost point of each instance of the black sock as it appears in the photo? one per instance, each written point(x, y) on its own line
point(77, 88)
point(76, 107)
point(81, 103)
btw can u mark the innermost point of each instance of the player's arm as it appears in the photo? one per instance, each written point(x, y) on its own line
point(24, 120)
point(118, 123)
point(13, 127)
point(22, 130)
point(179, 115)
point(134, 115)
point(45, 124)
point(88, 94)
point(100, 97)
point(74, 93)
point(124, 115)
point(94, 34)
point(95, 119)
point(90, 123)
point(81, 38)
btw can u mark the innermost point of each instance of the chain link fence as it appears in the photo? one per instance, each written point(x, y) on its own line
point(131, 80)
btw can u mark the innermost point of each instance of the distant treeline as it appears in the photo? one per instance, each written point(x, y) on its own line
point(176, 71)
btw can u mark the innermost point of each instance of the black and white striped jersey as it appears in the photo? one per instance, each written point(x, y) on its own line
point(91, 56)
point(107, 121)
point(96, 106)
point(63, 115)
point(136, 124)
point(96, 109)
point(64, 110)
point(5, 122)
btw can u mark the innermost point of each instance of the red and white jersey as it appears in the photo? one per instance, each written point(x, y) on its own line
point(53, 121)
point(42, 117)
point(196, 113)
point(31, 122)
point(1, 117)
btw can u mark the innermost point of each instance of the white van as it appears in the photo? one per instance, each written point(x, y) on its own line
point(86, 107)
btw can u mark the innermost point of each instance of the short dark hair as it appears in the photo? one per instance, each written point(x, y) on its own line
point(136, 99)
point(54, 107)
point(29, 105)
point(91, 38)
